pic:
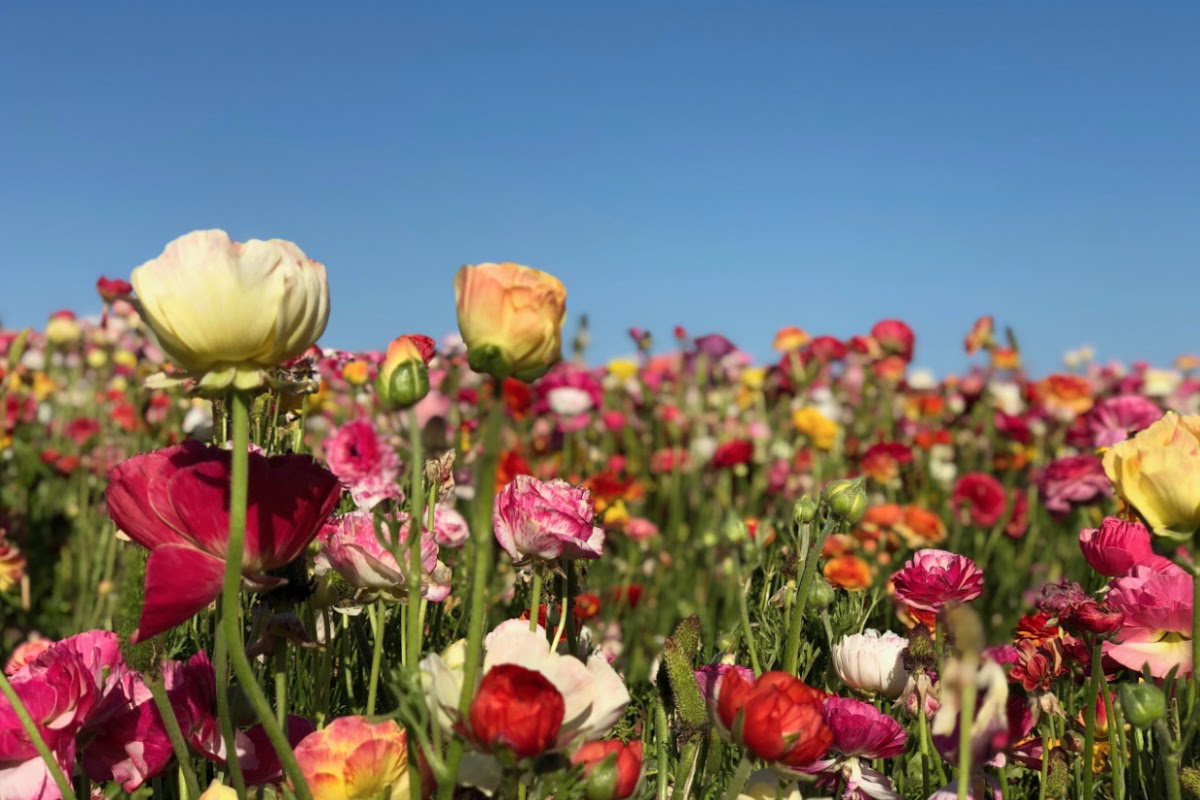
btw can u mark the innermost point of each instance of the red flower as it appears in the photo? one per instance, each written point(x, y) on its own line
point(175, 503)
point(111, 289)
point(826, 349)
point(883, 460)
point(627, 762)
point(778, 718)
point(984, 497)
point(895, 337)
point(730, 454)
point(516, 708)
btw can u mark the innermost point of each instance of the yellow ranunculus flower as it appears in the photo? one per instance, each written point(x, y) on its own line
point(510, 318)
point(218, 791)
point(224, 311)
point(820, 429)
point(355, 759)
point(622, 368)
point(1158, 473)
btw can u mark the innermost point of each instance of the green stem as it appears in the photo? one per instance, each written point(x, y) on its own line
point(535, 599)
point(416, 526)
point(1170, 759)
point(927, 745)
point(744, 616)
point(739, 779)
point(35, 736)
point(159, 692)
point(662, 734)
point(228, 732)
point(230, 603)
point(376, 615)
point(796, 623)
point(570, 590)
point(1089, 716)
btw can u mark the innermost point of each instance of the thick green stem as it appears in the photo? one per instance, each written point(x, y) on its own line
point(796, 623)
point(416, 525)
point(739, 778)
point(1170, 759)
point(535, 599)
point(35, 736)
point(238, 492)
point(376, 614)
point(221, 667)
point(159, 692)
point(1089, 715)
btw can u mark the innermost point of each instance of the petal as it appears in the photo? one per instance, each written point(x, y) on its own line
point(180, 581)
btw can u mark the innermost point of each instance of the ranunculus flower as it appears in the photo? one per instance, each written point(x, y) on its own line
point(1118, 546)
point(365, 465)
point(860, 733)
point(983, 496)
point(224, 311)
point(518, 709)
point(1157, 628)
point(710, 675)
point(350, 547)
point(354, 759)
point(870, 662)
point(895, 337)
point(546, 520)
point(12, 565)
point(510, 318)
point(175, 503)
point(933, 578)
point(218, 791)
point(1072, 481)
point(624, 759)
point(1114, 419)
point(1158, 473)
point(732, 453)
point(778, 718)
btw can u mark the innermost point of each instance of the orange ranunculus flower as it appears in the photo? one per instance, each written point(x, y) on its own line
point(1005, 358)
point(848, 572)
point(819, 429)
point(510, 318)
point(12, 565)
point(356, 373)
point(1158, 473)
point(1187, 363)
point(980, 335)
point(1065, 396)
point(353, 759)
point(790, 339)
point(884, 516)
point(921, 527)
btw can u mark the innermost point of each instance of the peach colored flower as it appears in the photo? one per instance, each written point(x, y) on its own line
point(353, 759)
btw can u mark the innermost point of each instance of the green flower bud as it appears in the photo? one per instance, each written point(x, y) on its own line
point(402, 385)
point(846, 499)
point(734, 530)
point(820, 595)
point(804, 511)
point(1143, 704)
point(602, 782)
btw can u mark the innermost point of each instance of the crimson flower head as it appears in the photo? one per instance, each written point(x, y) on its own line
point(733, 453)
point(983, 496)
point(175, 503)
point(778, 718)
point(625, 759)
point(518, 709)
point(933, 578)
point(111, 289)
point(895, 337)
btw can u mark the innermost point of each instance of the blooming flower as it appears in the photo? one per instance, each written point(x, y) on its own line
point(518, 709)
point(350, 546)
point(933, 578)
point(1114, 419)
point(819, 429)
point(870, 662)
point(1118, 546)
point(859, 732)
point(354, 759)
point(1157, 629)
point(175, 503)
point(224, 311)
point(1158, 473)
point(983, 496)
point(895, 337)
point(365, 465)
point(1072, 481)
point(546, 520)
point(778, 718)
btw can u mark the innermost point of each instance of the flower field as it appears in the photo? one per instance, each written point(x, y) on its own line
point(234, 563)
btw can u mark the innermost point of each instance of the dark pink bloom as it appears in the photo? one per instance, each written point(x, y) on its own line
point(860, 732)
point(1073, 481)
point(1157, 629)
point(983, 496)
point(365, 465)
point(175, 503)
point(933, 578)
point(1117, 418)
point(1118, 546)
point(714, 346)
point(895, 337)
point(730, 454)
point(546, 520)
point(111, 289)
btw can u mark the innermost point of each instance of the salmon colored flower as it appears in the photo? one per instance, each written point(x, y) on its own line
point(225, 311)
point(1158, 473)
point(848, 572)
point(821, 431)
point(1005, 358)
point(790, 339)
point(175, 503)
point(920, 527)
point(933, 578)
point(1065, 396)
point(510, 318)
point(778, 718)
point(354, 759)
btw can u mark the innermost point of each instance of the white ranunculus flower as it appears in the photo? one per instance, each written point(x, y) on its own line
point(870, 662)
point(224, 311)
point(567, 401)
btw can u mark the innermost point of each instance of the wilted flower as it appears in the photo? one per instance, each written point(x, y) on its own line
point(933, 578)
point(871, 663)
point(546, 520)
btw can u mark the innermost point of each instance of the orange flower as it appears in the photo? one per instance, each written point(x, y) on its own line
point(884, 516)
point(1187, 363)
point(1005, 358)
point(848, 572)
point(509, 467)
point(356, 372)
point(353, 759)
point(921, 527)
point(1065, 396)
point(790, 339)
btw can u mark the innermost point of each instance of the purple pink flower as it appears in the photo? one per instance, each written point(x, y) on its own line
point(364, 464)
point(546, 520)
point(933, 578)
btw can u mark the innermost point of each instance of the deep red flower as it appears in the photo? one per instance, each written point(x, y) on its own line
point(175, 503)
point(778, 718)
point(518, 709)
point(983, 496)
point(111, 289)
point(626, 758)
point(730, 454)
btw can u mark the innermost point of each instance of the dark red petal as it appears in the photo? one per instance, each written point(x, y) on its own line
point(180, 581)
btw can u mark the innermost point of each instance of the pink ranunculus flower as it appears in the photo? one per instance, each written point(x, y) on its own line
point(365, 465)
point(1073, 481)
point(449, 527)
point(546, 520)
point(1118, 546)
point(1157, 632)
point(25, 653)
point(1115, 419)
point(125, 740)
point(640, 529)
point(860, 732)
point(933, 578)
point(350, 546)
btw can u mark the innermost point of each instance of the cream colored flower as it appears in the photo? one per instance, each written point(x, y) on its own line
point(1158, 473)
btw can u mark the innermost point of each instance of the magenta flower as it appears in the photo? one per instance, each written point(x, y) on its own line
point(933, 578)
point(365, 465)
point(1157, 631)
point(1118, 546)
point(1117, 418)
point(175, 503)
point(546, 520)
point(860, 732)
point(1073, 481)
point(350, 546)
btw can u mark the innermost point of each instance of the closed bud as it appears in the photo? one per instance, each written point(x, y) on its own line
point(820, 595)
point(804, 511)
point(1143, 704)
point(847, 499)
point(404, 375)
point(613, 769)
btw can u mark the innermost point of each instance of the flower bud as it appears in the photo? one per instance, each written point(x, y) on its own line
point(613, 769)
point(820, 595)
point(1143, 704)
point(846, 499)
point(734, 530)
point(804, 511)
point(404, 375)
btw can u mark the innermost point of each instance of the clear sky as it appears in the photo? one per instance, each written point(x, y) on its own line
point(732, 167)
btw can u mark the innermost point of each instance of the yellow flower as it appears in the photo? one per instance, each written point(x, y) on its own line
point(218, 791)
point(43, 385)
point(356, 372)
point(622, 368)
point(1158, 473)
point(224, 311)
point(353, 759)
point(617, 515)
point(63, 328)
point(125, 358)
point(97, 358)
point(819, 429)
point(510, 318)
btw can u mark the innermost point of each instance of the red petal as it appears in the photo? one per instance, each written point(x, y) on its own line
point(180, 581)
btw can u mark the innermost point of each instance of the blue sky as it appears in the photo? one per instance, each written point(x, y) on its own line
point(731, 167)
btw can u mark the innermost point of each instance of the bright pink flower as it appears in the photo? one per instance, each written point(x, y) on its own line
point(859, 732)
point(895, 337)
point(1073, 481)
point(365, 465)
point(175, 503)
point(983, 496)
point(350, 546)
point(1118, 546)
point(546, 520)
point(111, 289)
point(825, 349)
point(933, 578)
point(1157, 631)
point(1117, 418)
point(125, 740)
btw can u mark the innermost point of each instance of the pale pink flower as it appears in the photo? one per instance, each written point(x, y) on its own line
point(350, 546)
point(1157, 632)
point(546, 520)
point(709, 677)
point(1117, 418)
point(640, 529)
point(933, 578)
point(364, 464)
point(871, 662)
